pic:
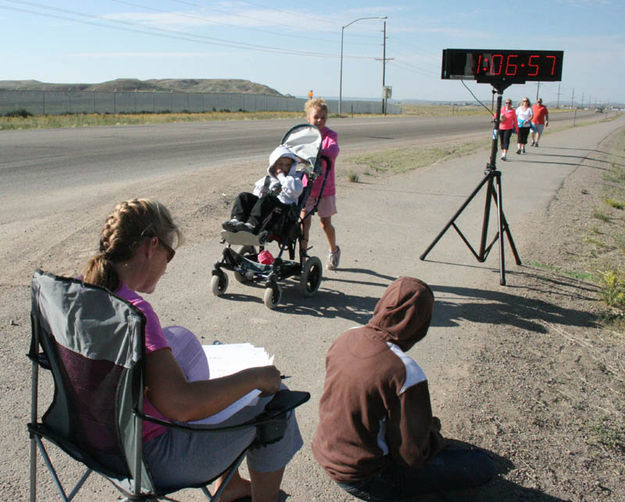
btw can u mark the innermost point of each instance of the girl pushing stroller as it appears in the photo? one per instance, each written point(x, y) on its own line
point(272, 215)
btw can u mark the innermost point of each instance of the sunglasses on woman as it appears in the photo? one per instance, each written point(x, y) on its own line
point(171, 252)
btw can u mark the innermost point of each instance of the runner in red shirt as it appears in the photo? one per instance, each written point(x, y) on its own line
point(539, 121)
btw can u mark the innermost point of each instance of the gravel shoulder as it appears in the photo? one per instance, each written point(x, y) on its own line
point(525, 370)
point(546, 393)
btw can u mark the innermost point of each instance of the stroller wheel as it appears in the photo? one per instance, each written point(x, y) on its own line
point(273, 294)
point(239, 277)
point(219, 282)
point(311, 275)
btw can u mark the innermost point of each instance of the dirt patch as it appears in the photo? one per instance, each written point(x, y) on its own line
point(546, 395)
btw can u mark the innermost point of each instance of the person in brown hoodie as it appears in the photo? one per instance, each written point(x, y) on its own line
point(376, 436)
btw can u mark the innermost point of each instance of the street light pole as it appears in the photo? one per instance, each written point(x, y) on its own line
point(341, 70)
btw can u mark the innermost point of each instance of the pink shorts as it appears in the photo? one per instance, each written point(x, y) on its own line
point(326, 208)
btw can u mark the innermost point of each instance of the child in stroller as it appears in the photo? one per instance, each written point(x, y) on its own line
point(262, 218)
point(273, 193)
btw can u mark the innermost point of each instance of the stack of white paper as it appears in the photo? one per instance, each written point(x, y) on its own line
point(228, 359)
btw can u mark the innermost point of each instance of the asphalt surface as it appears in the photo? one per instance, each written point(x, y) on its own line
point(44, 160)
point(383, 225)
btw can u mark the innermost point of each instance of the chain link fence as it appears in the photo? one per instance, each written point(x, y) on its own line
point(61, 102)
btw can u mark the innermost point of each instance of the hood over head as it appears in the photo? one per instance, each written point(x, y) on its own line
point(281, 151)
point(403, 314)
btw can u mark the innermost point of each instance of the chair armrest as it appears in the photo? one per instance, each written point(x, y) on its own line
point(283, 401)
point(271, 423)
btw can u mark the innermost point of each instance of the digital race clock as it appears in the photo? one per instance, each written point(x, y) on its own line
point(502, 66)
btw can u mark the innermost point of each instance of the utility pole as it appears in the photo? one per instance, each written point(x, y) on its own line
point(384, 60)
point(384, 70)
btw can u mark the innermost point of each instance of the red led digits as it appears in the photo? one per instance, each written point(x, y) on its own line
point(511, 68)
point(531, 64)
point(496, 64)
point(502, 66)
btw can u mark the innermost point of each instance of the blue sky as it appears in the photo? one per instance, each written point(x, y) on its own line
point(295, 46)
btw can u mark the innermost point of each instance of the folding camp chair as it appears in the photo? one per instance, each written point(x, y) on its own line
point(93, 344)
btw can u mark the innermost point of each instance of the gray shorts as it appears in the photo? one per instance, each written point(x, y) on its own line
point(183, 458)
point(179, 458)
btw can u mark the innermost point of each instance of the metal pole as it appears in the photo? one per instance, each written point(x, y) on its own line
point(384, 70)
point(341, 73)
point(341, 69)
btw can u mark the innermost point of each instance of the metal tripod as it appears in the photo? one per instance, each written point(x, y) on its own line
point(492, 180)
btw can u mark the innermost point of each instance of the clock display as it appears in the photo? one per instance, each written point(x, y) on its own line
point(508, 66)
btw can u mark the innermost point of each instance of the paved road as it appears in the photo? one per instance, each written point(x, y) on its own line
point(38, 161)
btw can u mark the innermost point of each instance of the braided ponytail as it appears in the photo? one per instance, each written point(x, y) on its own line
point(123, 232)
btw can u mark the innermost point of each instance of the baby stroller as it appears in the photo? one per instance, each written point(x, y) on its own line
point(284, 228)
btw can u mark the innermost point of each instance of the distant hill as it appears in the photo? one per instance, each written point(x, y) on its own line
point(156, 85)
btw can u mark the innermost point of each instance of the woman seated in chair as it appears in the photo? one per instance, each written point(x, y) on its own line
point(136, 243)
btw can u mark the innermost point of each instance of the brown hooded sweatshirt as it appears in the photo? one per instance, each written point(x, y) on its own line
point(375, 409)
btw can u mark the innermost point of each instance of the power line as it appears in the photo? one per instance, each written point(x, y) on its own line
point(218, 23)
point(413, 69)
point(160, 32)
point(292, 13)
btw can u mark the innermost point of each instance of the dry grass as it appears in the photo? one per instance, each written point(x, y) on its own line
point(442, 110)
point(400, 160)
point(96, 119)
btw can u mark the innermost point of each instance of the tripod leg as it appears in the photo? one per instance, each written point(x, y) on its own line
point(502, 251)
point(490, 190)
point(451, 222)
point(506, 229)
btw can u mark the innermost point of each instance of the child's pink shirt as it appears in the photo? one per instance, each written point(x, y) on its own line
point(330, 149)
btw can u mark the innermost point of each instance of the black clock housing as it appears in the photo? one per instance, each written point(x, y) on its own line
point(502, 66)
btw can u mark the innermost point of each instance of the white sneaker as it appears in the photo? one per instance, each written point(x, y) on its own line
point(334, 258)
point(246, 227)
